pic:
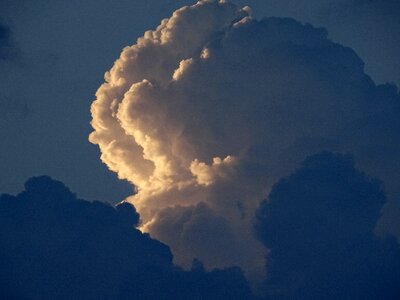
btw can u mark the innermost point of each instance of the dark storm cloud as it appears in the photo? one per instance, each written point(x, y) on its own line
point(56, 246)
point(318, 224)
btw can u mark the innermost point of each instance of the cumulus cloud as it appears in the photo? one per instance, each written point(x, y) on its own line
point(318, 224)
point(372, 27)
point(204, 114)
point(57, 246)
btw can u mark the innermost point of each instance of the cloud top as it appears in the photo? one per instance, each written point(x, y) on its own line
point(204, 114)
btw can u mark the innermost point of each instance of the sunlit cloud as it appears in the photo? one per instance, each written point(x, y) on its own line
point(204, 114)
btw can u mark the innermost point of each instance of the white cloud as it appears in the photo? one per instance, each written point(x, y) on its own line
point(206, 112)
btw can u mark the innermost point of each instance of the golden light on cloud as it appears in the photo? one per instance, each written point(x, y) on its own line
point(204, 114)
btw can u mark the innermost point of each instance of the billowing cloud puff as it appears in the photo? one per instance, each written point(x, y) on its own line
point(57, 246)
point(318, 224)
point(204, 114)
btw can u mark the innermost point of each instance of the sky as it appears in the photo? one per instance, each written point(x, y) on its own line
point(259, 138)
point(61, 51)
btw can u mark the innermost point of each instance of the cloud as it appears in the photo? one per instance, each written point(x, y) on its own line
point(318, 224)
point(204, 114)
point(11, 107)
point(8, 47)
point(4, 41)
point(57, 246)
point(212, 233)
point(372, 27)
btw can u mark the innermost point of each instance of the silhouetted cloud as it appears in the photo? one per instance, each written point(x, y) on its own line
point(8, 47)
point(214, 107)
point(318, 224)
point(11, 107)
point(372, 28)
point(56, 246)
point(4, 41)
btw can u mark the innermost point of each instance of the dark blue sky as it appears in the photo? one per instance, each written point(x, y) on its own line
point(62, 49)
point(265, 150)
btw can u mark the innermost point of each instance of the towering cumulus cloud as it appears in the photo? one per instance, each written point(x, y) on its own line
point(204, 114)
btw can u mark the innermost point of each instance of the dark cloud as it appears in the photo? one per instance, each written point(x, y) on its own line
point(56, 246)
point(370, 27)
point(11, 106)
point(318, 224)
point(4, 41)
point(9, 50)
